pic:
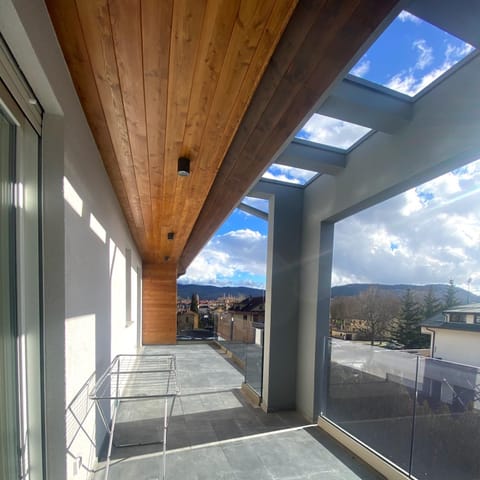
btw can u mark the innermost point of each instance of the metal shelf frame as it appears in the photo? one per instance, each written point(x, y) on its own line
point(137, 377)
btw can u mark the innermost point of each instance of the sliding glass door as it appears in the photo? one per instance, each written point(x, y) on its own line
point(9, 441)
point(21, 454)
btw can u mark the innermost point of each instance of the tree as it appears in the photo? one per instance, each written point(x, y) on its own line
point(431, 304)
point(194, 303)
point(408, 330)
point(341, 309)
point(377, 310)
point(450, 298)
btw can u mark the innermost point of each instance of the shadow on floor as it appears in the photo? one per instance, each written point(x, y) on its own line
point(342, 454)
point(198, 418)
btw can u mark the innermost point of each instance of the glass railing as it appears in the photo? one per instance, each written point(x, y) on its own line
point(419, 413)
point(244, 340)
point(254, 359)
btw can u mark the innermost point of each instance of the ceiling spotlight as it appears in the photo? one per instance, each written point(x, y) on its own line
point(183, 166)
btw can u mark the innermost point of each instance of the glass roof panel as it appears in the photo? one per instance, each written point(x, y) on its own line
point(283, 173)
point(332, 132)
point(410, 54)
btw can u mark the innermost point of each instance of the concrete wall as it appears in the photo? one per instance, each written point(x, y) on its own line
point(85, 249)
point(442, 135)
point(457, 346)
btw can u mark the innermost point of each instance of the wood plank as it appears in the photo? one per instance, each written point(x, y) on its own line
point(230, 100)
point(67, 24)
point(218, 24)
point(126, 26)
point(337, 32)
point(94, 18)
point(159, 301)
point(156, 31)
point(186, 30)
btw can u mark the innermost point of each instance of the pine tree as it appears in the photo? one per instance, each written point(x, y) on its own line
point(407, 331)
point(450, 298)
point(431, 304)
point(194, 303)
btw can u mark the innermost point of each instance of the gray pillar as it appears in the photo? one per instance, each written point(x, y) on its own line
point(282, 296)
point(322, 351)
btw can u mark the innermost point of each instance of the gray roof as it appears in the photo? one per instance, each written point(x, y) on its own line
point(435, 321)
point(470, 308)
point(467, 327)
point(438, 320)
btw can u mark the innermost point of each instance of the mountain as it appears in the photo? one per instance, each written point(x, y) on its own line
point(210, 292)
point(419, 291)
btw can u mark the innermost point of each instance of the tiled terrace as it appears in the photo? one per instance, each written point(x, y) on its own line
point(215, 433)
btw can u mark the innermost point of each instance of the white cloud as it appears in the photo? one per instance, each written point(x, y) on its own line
point(280, 177)
point(405, 16)
point(453, 54)
point(413, 203)
point(227, 256)
point(425, 54)
point(434, 230)
point(284, 173)
point(408, 81)
point(361, 69)
point(333, 132)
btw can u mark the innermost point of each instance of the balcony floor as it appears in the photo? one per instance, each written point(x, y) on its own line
point(214, 433)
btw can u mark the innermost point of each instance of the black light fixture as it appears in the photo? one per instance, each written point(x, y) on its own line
point(183, 166)
point(170, 235)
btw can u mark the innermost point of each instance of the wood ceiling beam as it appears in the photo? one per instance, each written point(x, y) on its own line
point(320, 40)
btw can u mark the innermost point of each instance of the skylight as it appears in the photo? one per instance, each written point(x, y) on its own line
point(283, 173)
point(410, 54)
point(332, 132)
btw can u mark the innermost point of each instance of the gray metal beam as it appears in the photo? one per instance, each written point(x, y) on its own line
point(253, 211)
point(460, 18)
point(357, 102)
point(311, 157)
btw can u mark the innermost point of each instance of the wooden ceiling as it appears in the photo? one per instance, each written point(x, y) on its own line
point(160, 79)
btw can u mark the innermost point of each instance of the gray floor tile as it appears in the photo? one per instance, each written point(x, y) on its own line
point(210, 433)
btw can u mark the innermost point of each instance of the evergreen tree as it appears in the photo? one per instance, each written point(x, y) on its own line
point(194, 303)
point(407, 331)
point(450, 298)
point(431, 304)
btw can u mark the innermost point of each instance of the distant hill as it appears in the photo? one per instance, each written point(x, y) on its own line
point(419, 291)
point(210, 292)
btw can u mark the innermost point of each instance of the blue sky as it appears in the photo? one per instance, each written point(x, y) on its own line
point(409, 55)
point(436, 235)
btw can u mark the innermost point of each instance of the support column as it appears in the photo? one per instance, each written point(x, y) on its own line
point(282, 298)
point(322, 350)
point(159, 300)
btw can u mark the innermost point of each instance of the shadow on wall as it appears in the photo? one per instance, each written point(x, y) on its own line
point(101, 290)
point(80, 432)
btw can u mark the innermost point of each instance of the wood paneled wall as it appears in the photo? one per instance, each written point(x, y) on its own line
point(159, 304)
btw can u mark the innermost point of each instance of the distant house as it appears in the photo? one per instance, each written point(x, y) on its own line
point(455, 334)
point(243, 321)
point(251, 308)
point(349, 329)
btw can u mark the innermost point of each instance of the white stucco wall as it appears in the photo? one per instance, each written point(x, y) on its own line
point(442, 135)
point(87, 324)
point(457, 346)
